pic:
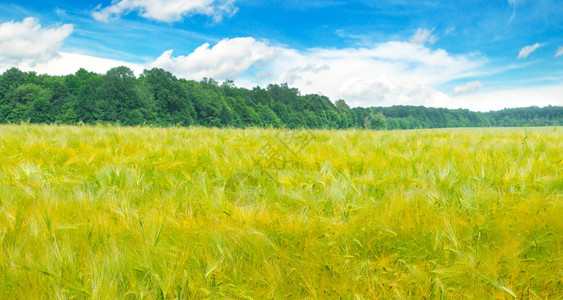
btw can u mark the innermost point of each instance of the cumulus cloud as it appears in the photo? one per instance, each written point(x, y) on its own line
point(423, 36)
point(384, 91)
point(226, 60)
point(526, 51)
point(394, 72)
point(68, 63)
point(467, 88)
point(26, 43)
point(559, 52)
point(384, 74)
point(509, 97)
point(30, 47)
point(166, 10)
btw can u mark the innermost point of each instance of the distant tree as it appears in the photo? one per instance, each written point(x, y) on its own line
point(262, 96)
point(208, 104)
point(83, 86)
point(375, 121)
point(121, 100)
point(9, 81)
point(29, 102)
point(247, 114)
point(267, 116)
point(159, 98)
point(346, 118)
point(172, 105)
point(286, 95)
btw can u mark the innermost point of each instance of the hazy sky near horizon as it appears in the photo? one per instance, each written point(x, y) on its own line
point(482, 54)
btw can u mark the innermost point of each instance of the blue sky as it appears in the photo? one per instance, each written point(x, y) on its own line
point(480, 55)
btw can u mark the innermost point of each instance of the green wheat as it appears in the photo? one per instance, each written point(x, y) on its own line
point(116, 212)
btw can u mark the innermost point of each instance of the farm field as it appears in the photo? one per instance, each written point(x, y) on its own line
point(195, 213)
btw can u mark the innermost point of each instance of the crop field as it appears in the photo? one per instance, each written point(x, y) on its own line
point(195, 213)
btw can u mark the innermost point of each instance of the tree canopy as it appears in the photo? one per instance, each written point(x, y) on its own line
point(158, 98)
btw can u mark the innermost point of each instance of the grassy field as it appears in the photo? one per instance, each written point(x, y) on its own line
point(114, 212)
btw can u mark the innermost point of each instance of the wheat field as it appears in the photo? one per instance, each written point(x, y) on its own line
point(108, 212)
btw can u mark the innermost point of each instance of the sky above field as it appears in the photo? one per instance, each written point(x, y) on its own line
point(482, 54)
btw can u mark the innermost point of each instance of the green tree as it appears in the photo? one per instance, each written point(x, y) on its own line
point(268, 116)
point(375, 121)
point(208, 104)
point(29, 102)
point(121, 100)
point(159, 98)
point(10, 80)
point(83, 86)
point(171, 99)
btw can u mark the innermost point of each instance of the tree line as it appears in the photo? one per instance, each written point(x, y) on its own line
point(158, 98)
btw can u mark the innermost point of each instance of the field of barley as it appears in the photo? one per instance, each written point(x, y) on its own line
point(194, 213)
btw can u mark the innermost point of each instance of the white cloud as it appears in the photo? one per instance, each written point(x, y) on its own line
point(385, 92)
point(513, 3)
point(61, 12)
point(423, 36)
point(68, 63)
point(559, 52)
point(365, 90)
point(27, 43)
point(166, 10)
point(388, 73)
point(226, 60)
point(385, 74)
point(526, 51)
point(30, 47)
point(467, 88)
point(507, 98)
